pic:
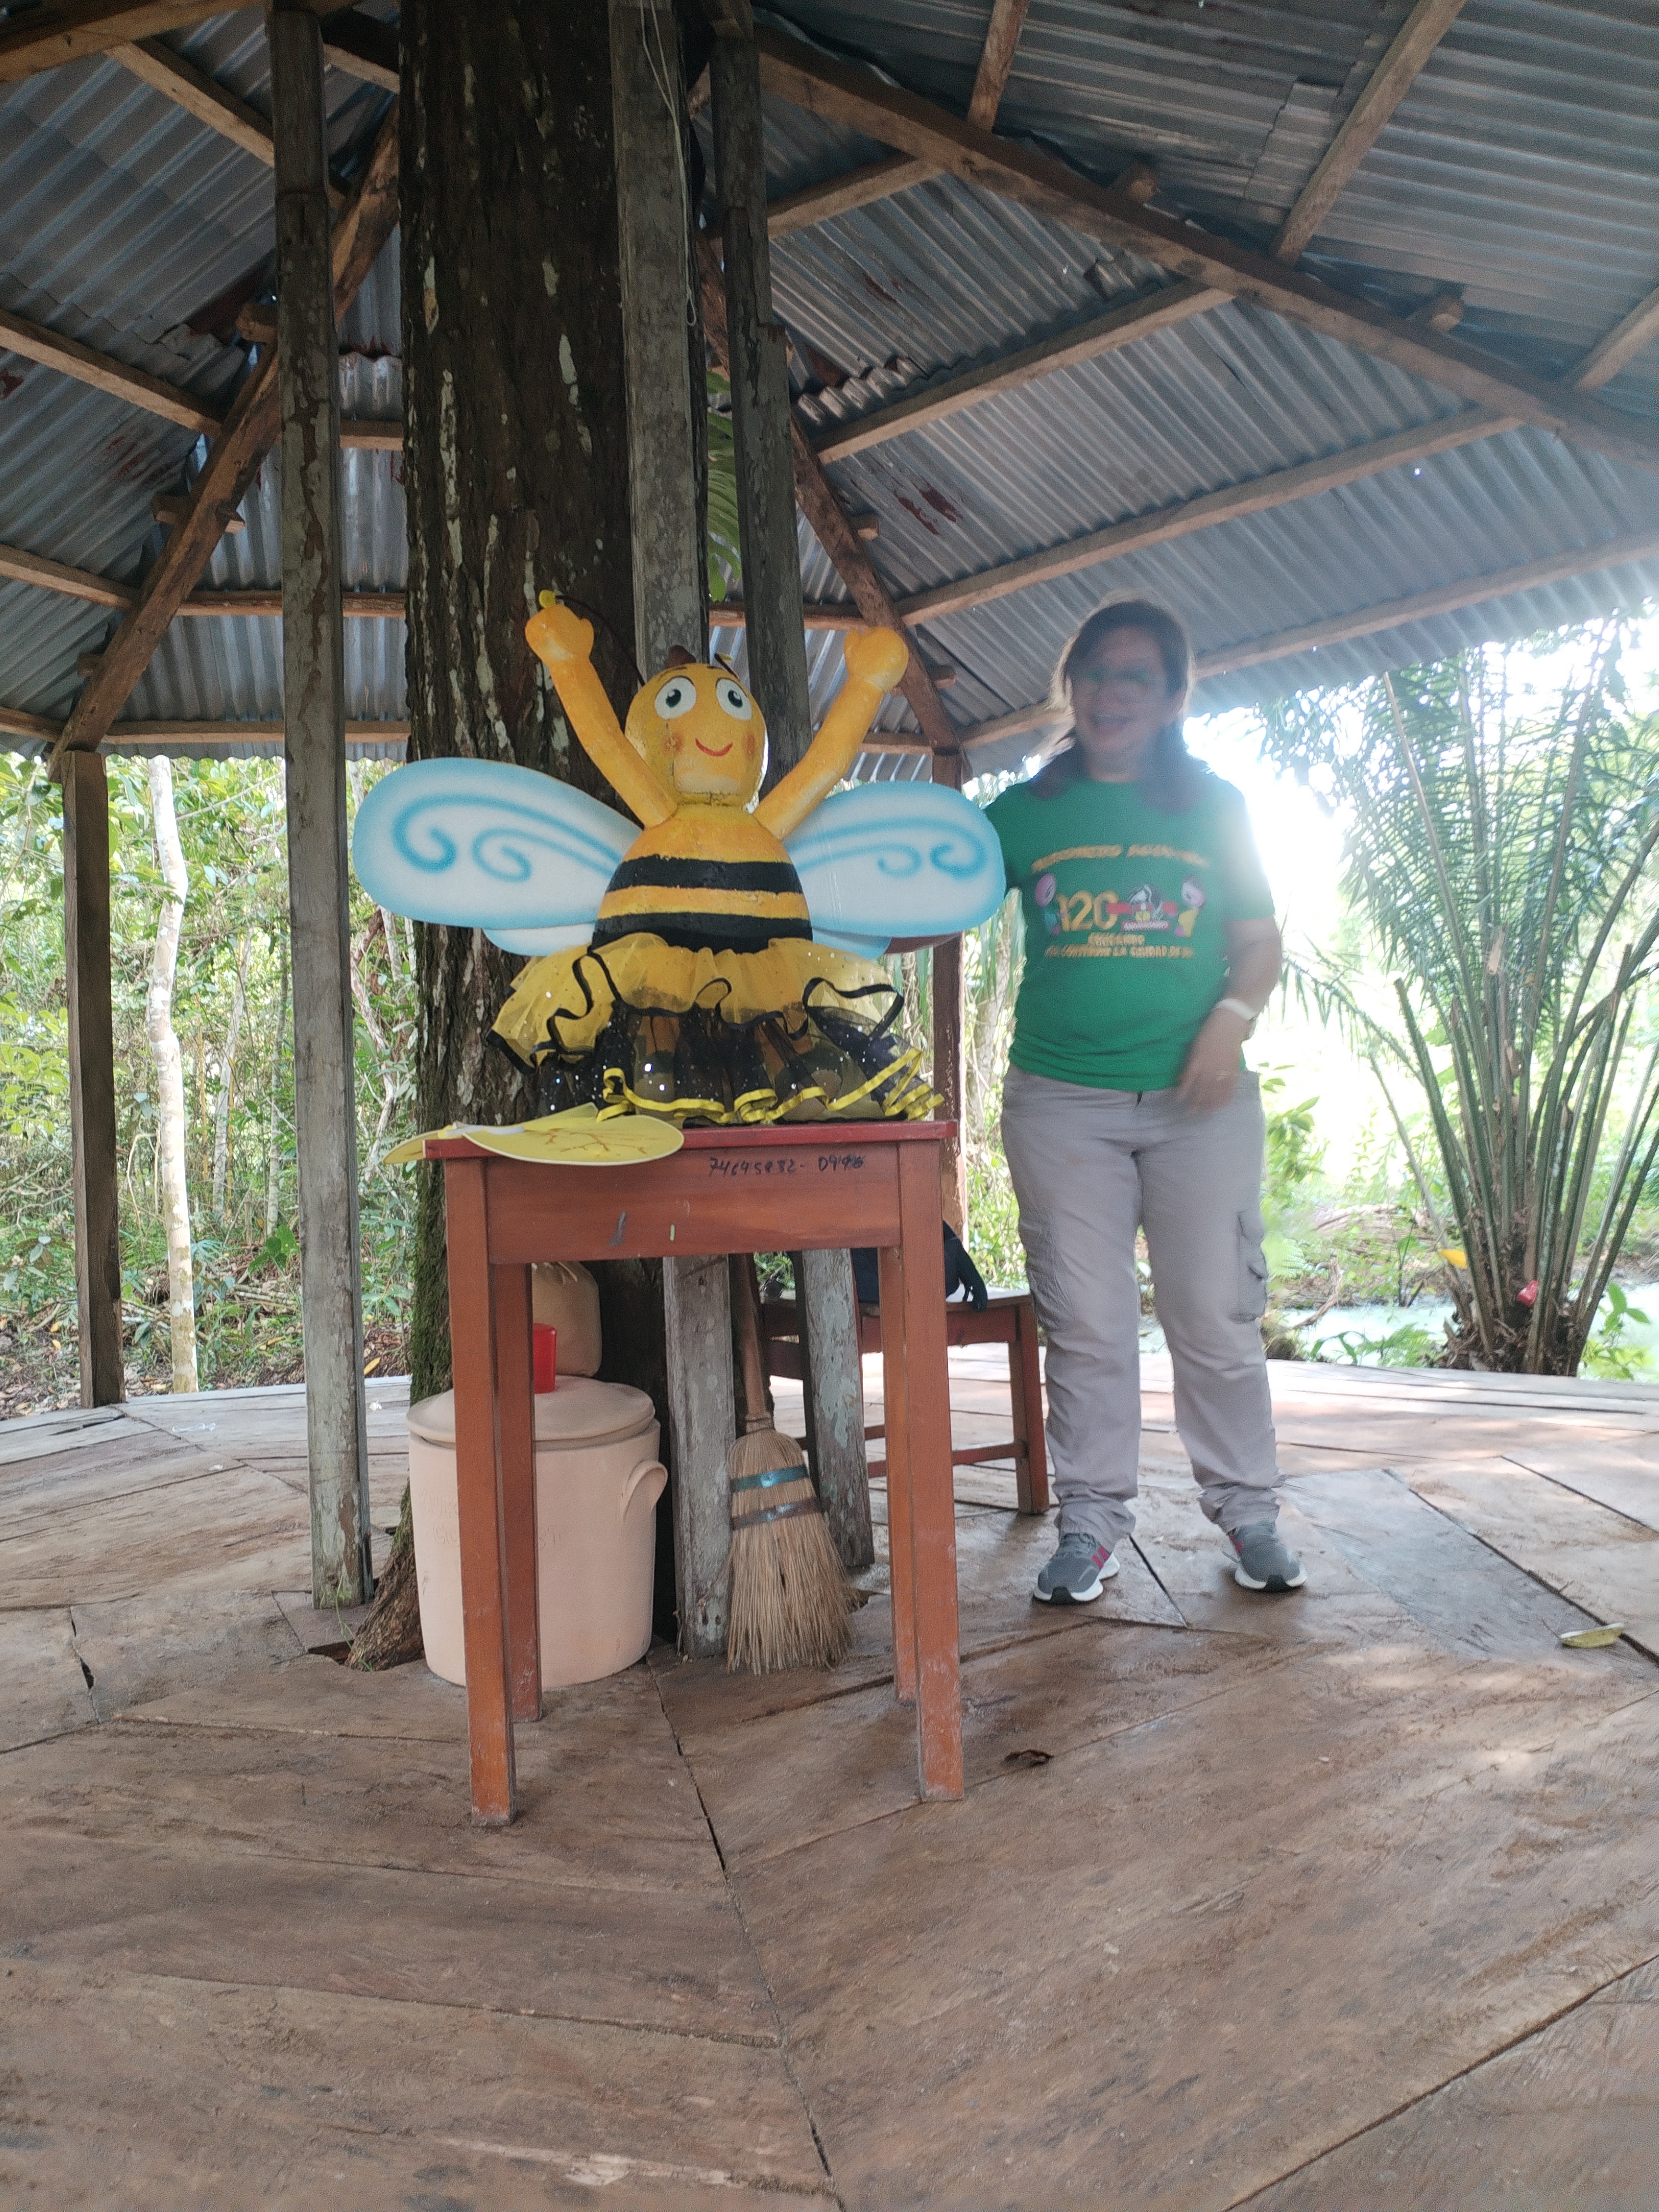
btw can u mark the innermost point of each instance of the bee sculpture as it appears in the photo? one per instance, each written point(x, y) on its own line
point(719, 963)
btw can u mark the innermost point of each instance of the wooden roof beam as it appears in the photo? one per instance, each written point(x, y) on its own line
point(64, 31)
point(896, 172)
point(360, 46)
point(189, 736)
point(34, 342)
point(250, 431)
point(1445, 599)
point(852, 563)
point(177, 79)
point(1621, 344)
point(793, 71)
point(1392, 79)
point(1254, 496)
point(1101, 334)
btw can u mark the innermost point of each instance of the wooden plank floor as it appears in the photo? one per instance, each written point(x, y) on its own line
point(1342, 1900)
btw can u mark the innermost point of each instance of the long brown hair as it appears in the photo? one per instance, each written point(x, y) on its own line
point(1171, 777)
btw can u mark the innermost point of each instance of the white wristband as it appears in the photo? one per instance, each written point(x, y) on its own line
point(1236, 1006)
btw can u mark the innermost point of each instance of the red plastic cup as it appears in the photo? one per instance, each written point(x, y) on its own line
point(544, 1348)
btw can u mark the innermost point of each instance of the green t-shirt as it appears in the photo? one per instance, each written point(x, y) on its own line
point(1125, 910)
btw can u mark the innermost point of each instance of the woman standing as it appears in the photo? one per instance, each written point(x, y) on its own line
point(1150, 948)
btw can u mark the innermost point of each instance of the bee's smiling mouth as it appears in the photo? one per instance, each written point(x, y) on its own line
point(714, 752)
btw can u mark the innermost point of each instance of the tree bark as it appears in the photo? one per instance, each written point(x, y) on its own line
point(222, 1100)
point(516, 478)
point(273, 1128)
point(170, 1077)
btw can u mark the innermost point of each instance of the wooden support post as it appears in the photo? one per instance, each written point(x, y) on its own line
point(832, 1384)
point(949, 1069)
point(314, 712)
point(671, 609)
point(761, 422)
point(92, 1078)
point(764, 438)
point(654, 227)
point(702, 1422)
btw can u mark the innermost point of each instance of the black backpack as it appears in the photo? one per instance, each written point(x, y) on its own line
point(960, 1273)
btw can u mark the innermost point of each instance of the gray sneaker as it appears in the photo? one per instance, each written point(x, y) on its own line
point(1263, 1562)
point(1077, 1573)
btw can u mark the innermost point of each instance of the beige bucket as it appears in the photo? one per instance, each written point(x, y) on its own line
point(598, 1481)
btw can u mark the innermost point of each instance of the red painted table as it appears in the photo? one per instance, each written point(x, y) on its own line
point(727, 1190)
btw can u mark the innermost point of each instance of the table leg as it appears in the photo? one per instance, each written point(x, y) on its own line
point(928, 1477)
point(896, 1414)
point(483, 1564)
point(515, 1414)
point(1025, 1387)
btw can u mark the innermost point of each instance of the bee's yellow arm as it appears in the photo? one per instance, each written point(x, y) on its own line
point(876, 659)
point(563, 643)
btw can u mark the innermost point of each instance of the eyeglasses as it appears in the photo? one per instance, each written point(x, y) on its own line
point(1134, 683)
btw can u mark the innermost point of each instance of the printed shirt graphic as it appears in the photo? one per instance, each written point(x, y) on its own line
point(1126, 911)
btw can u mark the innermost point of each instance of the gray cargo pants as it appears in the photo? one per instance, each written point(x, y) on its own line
point(1089, 1168)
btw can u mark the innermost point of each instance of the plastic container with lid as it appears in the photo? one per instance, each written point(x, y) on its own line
point(598, 1481)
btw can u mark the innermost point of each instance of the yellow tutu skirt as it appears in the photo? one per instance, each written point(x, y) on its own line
point(796, 1032)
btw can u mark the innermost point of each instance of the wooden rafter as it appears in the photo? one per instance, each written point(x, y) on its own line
point(204, 97)
point(1101, 334)
point(852, 564)
point(1445, 599)
point(61, 31)
point(896, 172)
point(793, 71)
point(154, 394)
point(853, 188)
point(266, 737)
point(1392, 79)
point(1621, 344)
point(996, 59)
point(360, 46)
point(835, 533)
point(1253, 496)
point(18, 567)
point(34, 342)
point(249, 432)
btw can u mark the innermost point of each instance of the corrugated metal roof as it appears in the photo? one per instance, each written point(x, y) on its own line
point(122, 219)
point(1523, 165)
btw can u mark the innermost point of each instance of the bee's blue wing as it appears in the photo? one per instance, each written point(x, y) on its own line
point(485, 845)
point(897, 859)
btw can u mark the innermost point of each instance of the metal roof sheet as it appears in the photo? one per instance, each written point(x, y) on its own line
point(1523, 165)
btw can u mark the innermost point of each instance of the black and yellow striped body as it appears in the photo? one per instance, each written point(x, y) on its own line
point(709, 876)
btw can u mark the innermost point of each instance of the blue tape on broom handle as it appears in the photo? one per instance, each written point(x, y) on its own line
point(773, 1475)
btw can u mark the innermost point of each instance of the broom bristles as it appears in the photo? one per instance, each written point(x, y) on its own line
point(791, 1602)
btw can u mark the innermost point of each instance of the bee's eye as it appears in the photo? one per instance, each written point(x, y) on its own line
point(678, 697)
point(735, 700)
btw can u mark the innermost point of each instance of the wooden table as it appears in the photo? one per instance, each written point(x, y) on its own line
point(820, 1186)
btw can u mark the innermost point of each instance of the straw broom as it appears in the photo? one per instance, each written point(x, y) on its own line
point(791, 1600)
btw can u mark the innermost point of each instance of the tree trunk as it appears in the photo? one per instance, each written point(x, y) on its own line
point(516, 472)
point(170, 1078)
point(515, 457)
point(227, 1077)
point(274, 1127)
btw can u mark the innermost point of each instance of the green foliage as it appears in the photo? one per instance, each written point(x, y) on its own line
point(1500, 843)
point(1607, 1354)
point(232, 826)
point(1408, 1345)
point(724, 550)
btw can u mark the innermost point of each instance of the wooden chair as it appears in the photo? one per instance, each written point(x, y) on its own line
point(1010, 1319)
